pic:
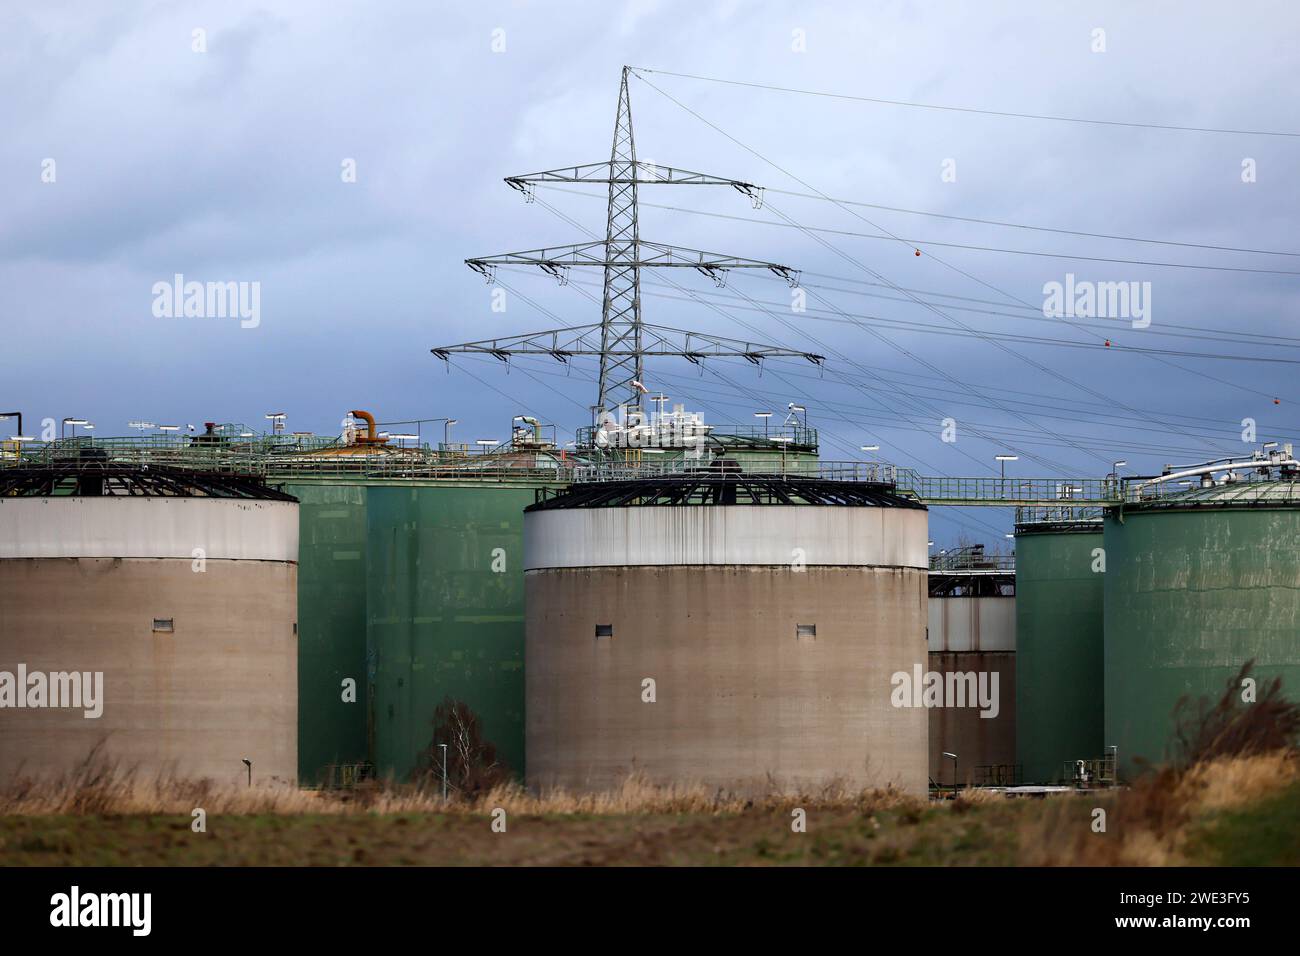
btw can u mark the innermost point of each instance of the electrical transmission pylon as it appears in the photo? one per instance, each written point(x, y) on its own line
point(622, 255)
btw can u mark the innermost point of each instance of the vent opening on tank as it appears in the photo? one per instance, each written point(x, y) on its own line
point(805, 632)
point(604, 630)
point(163, 625)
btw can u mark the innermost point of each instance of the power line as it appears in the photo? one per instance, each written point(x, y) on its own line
point(1035, 311)
point(873, 272)
point(922, 243)
point(726, 314)
point(1099, 411)
point(967, 109)
point(1113, 344)
point(1002, 223)
point(780, 319)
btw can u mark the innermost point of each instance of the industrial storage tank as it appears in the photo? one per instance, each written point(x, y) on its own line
point(743, 632)
point(411, 590)
point(445, 615)
point(332, 739)
point(972, 642)
point(1059, 692)
point(1199, 582)
point(148, 615)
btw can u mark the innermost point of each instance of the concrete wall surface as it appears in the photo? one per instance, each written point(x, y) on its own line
point(148, 527)
point(728, 535)
point(742, 700)
point(219, 687)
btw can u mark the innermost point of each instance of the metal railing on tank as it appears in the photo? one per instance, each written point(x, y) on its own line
point(870, 472)
point(799, 436)
point(965, 560)
point(1069, 492)
point(1058, 516)
point(287, 456)
point(145, 451)
point(999, 775)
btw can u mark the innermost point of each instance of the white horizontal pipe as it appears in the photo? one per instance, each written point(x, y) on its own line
point(1230, 466)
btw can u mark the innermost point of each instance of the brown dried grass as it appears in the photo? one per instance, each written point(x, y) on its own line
point(1149, 824)
point(1229, 754)
point(102, 787)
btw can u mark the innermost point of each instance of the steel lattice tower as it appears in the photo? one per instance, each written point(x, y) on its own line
point(620, 320)
point(622, 344)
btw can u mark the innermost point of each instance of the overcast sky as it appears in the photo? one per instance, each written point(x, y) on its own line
point(227, 165)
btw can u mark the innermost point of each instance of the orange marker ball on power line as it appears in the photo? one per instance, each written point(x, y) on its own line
point(918, 252)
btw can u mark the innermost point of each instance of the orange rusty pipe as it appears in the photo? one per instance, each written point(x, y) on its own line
point(370, 423)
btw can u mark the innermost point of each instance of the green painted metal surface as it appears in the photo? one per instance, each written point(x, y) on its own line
point(331, 625)
point(1059, 656)
point(1191, 595)
point(445, 615)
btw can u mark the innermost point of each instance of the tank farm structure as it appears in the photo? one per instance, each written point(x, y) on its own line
point(350, 585)
point(695, 602)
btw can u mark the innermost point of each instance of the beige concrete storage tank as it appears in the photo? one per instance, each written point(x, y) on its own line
point(740, 632)
point(180, 588)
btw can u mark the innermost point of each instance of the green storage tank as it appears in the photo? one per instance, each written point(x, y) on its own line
point(331, 626)
point(1059, 666)
point(445, 614)
point(1196, 585)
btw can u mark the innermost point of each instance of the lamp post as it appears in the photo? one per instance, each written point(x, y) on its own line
point(74, 422)
point(1114, 474)
point(953, 758)
point(4, 416)
point(1002, 460)
point(444, 772)
point(872, 475)
point(277, 422)
point(765, 416)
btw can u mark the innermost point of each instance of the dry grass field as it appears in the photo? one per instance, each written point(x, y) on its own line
point(1230, 798)
point(1229, 811)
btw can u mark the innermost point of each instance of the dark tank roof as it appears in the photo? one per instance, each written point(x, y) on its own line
point(91, 478)
point(715, 489)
